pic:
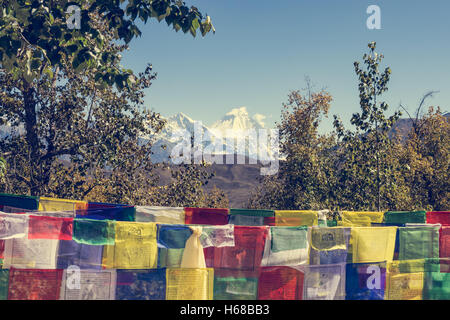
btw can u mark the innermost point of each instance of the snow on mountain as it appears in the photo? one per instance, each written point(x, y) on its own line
point(239, 119)
point(220, 138)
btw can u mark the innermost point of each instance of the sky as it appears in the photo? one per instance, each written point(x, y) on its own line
point(264, 49)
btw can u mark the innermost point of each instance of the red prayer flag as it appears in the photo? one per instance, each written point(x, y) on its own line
point(442, 217)
point(444, 242)
point(245, 256)
point(280, 283)
point(207, 216)
point(34, 284)
point(43, 227)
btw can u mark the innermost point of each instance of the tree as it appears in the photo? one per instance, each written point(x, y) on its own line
point(426, 159)
point(304, 178)
point(81, 112)
point(366, 170)
point(35, 38)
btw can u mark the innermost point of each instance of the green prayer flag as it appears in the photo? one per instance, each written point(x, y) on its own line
point(418, 242)
point(4, 280)
point(436, 286)
point(405, 217)
point(94, 232)
point(231, 288)
point(289, 238)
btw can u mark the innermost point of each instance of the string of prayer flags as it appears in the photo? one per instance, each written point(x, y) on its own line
point(419, 242)
point(94, 232)
point(149, 284)
point(209, 216)
point(44, 227)
point(135, 246)
point(29, 284)
point(280, 283)
point(72, 253)
point(53, 204)
point(19, 202)
point(365, 281)
point(88, 285)
point(329, 245)
point(291, 218)
point(286, 246)
point(13, 225)
point(189, 284)
point(441, 217)
point(250, 217)
point(405, 217)
point(166, 215)
point(373, 244)
point(234, 286)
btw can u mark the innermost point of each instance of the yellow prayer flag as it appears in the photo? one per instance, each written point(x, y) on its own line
point(373, 244)
point(135, 247)
point(189, 284)
point(296, 218)
point(361, 218)
point(53, 204)
point(402, 284)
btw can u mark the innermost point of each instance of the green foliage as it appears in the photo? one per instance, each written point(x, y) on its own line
point(35, 39)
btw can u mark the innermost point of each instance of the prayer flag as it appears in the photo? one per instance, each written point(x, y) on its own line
point(373, 244)
point(208, 216)
point(189, 284)
point(28, 284)
point(149, 284)
point(418, 242)
point(405, 217)
point(160, 214)
point(135, 246)
point(296, 218)
point(280, 283)
point(94, 232)
point(42, 227)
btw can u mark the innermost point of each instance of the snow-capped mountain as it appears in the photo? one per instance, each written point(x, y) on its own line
point(218, 139)
point(239, 119)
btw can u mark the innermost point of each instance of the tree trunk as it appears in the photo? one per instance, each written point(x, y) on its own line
point(31, 137)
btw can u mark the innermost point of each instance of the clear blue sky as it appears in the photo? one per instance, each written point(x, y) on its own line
point(263, 49)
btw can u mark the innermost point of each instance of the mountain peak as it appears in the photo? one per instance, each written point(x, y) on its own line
point(241, 111)
point(239, 119)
